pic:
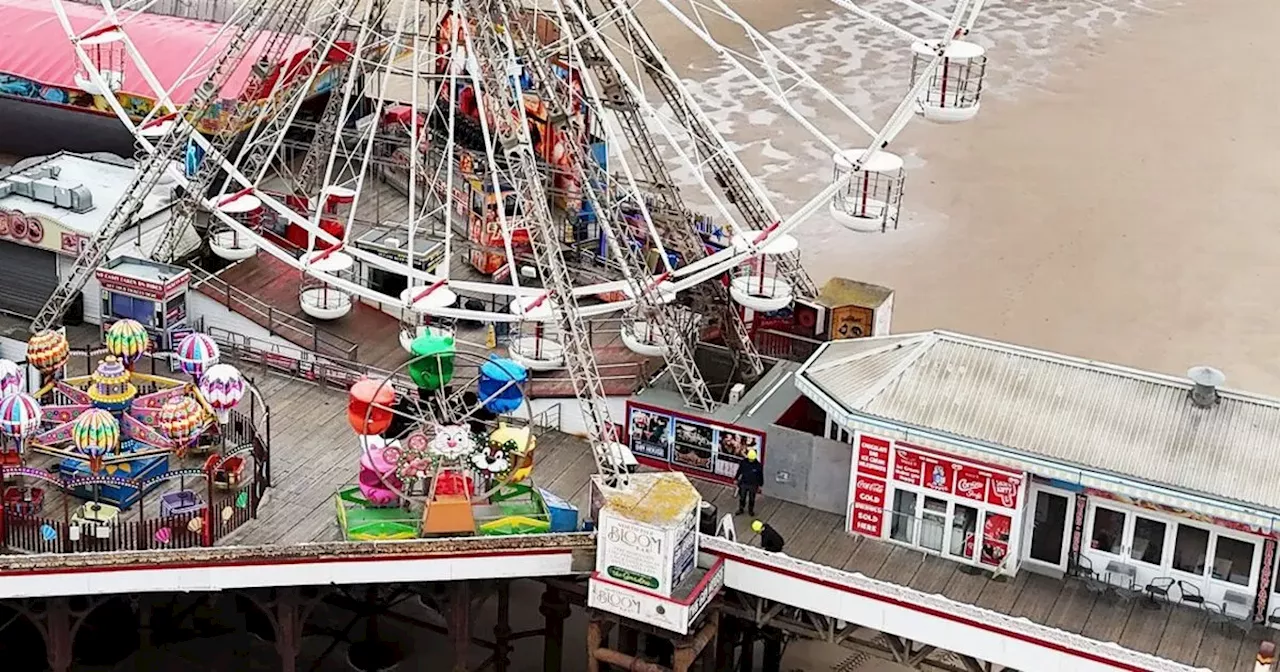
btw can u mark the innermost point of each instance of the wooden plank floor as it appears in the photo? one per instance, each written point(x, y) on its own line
point(314, 453)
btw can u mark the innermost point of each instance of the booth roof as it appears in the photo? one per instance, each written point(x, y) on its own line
point(37, 48)
point(1074, 412)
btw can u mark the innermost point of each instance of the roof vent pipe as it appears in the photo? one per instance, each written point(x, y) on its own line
point(1204, 394)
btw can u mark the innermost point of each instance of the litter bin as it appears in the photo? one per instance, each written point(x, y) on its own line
point(707, 518)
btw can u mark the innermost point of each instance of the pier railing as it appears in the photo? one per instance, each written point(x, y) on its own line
point(303, 364)
point(289, 327)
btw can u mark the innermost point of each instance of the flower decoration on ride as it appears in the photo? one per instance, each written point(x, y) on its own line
point(452, 442)
point(494, 457)
point(413, 459)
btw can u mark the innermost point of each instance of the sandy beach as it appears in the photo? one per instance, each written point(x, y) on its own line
point(1113, 200)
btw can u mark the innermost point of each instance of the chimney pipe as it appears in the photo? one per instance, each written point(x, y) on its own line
point(1204, 394)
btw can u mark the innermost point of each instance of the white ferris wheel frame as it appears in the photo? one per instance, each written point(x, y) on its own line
point(683, 278)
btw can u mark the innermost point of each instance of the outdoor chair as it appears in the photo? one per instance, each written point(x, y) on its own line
point(1092, 582)
point(1159, 588)
point(1191, 594)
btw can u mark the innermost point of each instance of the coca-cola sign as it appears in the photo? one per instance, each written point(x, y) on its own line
point(869, 492)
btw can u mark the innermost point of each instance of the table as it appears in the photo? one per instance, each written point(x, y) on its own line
point(1128, 574)
point(1121, 570)
point(1237, 604)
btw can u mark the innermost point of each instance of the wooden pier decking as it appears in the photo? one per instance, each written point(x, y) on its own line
point(315, 453)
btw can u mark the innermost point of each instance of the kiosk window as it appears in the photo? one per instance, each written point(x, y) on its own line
point(128, 307)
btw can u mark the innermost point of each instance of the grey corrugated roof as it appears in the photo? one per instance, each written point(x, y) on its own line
point(1083, 413)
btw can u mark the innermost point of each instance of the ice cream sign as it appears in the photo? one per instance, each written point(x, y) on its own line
point(934, 470)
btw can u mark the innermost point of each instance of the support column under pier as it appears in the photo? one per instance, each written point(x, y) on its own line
point(555, 609)
point(460, 623)
point(687, 647)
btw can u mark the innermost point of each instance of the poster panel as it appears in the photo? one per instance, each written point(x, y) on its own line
point(702, 448)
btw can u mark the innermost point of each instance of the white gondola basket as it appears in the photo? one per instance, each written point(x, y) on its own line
point(319, 299)
point(761, 293)
point(642, 338)
point(536, 353)
point(870, 200)
point(419, 302)
point(954, 90)
point(226, 242)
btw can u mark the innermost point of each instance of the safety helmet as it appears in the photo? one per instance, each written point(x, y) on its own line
point(757, 527)
point(751, 454)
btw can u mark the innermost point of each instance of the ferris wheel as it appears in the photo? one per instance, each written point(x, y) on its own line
point(533, 160)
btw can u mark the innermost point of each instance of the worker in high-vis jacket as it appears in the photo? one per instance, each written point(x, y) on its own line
point(749, 479)
point(770, 540)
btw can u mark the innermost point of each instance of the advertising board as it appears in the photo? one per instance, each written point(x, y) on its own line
point(701, 448)
point(634, 553)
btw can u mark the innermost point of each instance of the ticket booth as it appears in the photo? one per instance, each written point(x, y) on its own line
point(152, 293)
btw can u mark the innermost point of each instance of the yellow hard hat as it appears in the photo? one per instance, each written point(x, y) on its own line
point(757, 527)
point(751, 454)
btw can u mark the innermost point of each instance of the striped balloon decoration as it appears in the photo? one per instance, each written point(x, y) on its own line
point(96, 433)
point(128, 341)
point(197, 353)
point(223, 388)
point(20, 415)
point(48, 351)
point(10, 378)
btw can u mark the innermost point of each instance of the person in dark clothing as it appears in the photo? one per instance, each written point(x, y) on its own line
point(770, 540)
point(749, 479)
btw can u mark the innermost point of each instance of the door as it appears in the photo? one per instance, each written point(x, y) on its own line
point(1148, 548)
point(1050, 529)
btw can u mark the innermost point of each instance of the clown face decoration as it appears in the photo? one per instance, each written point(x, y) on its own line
point(452, 442)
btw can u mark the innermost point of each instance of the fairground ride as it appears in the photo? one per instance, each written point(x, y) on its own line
point(529, 145)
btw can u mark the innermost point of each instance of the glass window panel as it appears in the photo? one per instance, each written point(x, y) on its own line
point(963, 525)
point(902, 527)
point(1190, 548)
point(1233, 561)
point(1148, 540)
point(1108, 530)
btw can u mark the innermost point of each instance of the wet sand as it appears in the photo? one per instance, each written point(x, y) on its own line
point(1114, 199)
point(1127, 213)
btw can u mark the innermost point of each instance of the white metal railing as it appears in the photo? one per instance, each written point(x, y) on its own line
point(926, 603)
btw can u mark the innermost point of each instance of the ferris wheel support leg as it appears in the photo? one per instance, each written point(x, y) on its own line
point(677, 345)
point(674, 219)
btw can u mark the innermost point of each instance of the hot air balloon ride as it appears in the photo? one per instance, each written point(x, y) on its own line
point(127, 340)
